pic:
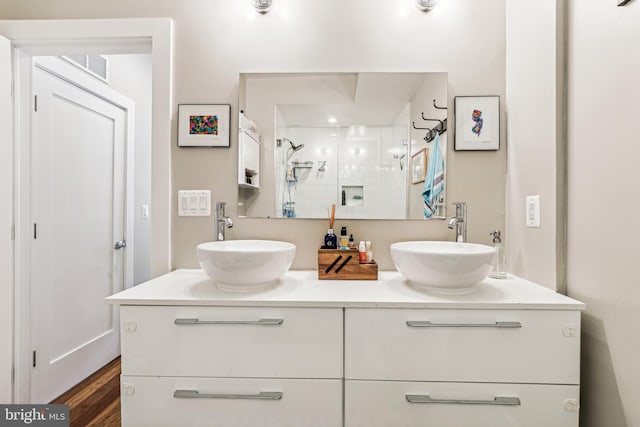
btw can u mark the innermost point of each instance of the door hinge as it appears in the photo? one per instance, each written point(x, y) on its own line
point(34, 358)
point(13, 375)
point(13, 232)
point(35, 103)
point(35, 230)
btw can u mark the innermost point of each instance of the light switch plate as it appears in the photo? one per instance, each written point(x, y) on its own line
point(532, 211)
point(194, 203)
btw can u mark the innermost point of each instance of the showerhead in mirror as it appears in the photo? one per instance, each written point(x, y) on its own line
point(294, 147)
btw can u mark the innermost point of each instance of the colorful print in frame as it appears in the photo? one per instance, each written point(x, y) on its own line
point(205, 125)
point(477, 123)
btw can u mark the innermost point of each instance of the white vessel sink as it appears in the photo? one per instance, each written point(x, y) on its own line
point(449, 267)
point(245, 264)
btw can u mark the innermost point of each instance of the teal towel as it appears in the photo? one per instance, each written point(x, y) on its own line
point(434, 182)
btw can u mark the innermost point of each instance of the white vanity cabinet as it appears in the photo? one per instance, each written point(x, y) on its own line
point(432, 367)
point(312, 353)
point(231, 366)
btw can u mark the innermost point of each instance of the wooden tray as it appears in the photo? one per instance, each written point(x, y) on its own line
point(335, 264)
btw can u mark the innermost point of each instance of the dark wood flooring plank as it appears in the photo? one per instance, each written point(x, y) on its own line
point(89, 408)
point(94, 380)
point(96, 400)
point(109, 417)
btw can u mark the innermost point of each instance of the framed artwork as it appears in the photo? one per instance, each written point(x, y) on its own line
point(477, 123)
point(419, 166)
point(203, 125)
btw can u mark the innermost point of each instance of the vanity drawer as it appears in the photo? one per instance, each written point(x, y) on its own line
point(232, 341)
point(524, 346)
point(416, 404)
point(224, 402)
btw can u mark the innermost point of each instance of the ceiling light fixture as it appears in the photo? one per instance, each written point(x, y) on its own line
point(262, 6)
point(425, 5)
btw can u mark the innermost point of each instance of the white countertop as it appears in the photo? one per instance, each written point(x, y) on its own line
point(299, 288)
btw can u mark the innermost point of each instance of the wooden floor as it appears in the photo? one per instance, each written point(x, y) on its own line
point(95, 402)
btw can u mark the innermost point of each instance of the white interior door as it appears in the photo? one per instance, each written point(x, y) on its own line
point(6, 222)
point(78, 209)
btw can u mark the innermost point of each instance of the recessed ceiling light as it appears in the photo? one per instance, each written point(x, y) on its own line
point(332, 120)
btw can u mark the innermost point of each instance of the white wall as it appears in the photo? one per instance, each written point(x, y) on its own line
point(603, 221)
point(6, 222)
point(131, 76)
point(533, 87)
point(215, 40)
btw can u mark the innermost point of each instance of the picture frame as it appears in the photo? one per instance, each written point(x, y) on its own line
point(419, 166)
point(477, 123)
point(204, 125)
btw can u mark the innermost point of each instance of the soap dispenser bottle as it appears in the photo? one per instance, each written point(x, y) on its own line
point(498, 271)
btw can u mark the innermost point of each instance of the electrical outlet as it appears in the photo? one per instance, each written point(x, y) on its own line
point(532, 210)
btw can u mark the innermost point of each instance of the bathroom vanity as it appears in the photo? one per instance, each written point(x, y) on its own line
point(347, 353)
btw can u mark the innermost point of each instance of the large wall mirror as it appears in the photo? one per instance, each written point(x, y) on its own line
point(374, 144)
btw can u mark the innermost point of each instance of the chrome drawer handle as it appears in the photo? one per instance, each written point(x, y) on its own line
point(498, 400)
point(428, 324)
point(261, 322)
point(195, 394)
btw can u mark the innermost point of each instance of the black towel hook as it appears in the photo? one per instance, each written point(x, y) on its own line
point(417, 128)
point(440, 128)
point(439, 108)
point(432, 120)
point(431, 133)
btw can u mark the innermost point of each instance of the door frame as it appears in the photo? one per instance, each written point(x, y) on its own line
point(55, 37)
point(6, 221)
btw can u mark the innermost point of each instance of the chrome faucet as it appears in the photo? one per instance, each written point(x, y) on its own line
point(459, 222)
point(222, 221)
